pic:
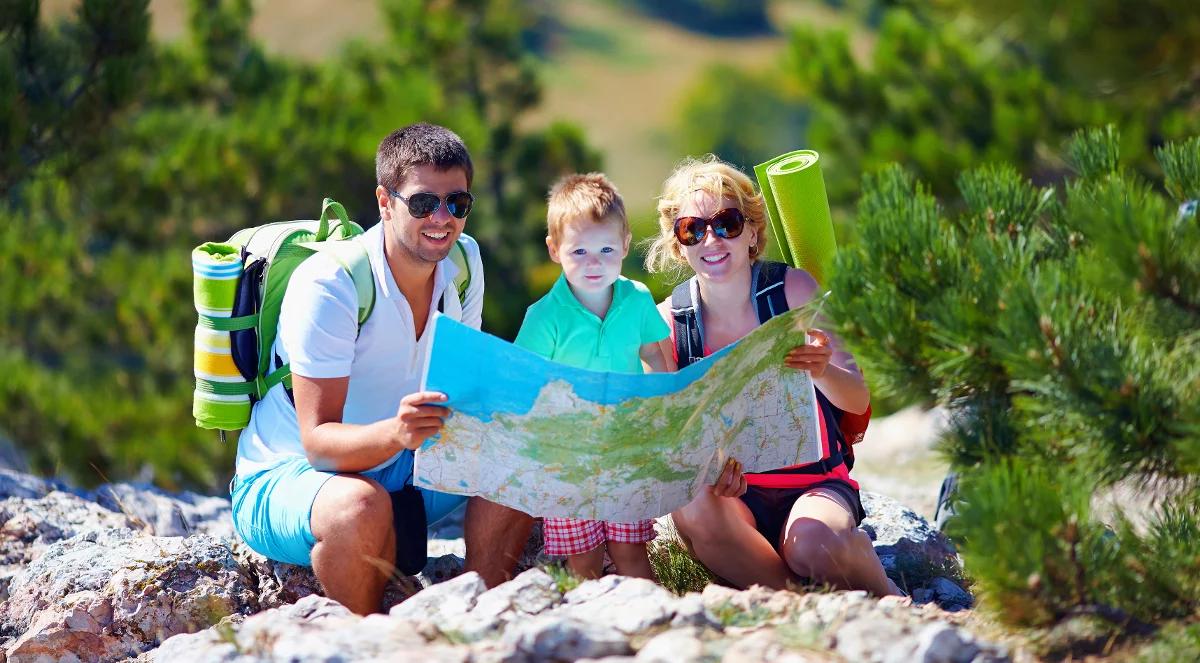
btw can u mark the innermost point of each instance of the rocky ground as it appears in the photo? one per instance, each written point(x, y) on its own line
point(129, 571)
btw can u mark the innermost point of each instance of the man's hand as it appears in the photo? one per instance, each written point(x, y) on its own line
point(418, 418)
point(813, 356)
point(731, 483)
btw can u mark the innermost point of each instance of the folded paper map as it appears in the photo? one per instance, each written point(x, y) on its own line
point(554, 440)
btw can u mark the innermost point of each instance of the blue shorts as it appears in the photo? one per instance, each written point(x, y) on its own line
point(271, 509)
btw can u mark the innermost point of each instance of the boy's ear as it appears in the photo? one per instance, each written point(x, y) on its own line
point(553, 249)
point(625, 248)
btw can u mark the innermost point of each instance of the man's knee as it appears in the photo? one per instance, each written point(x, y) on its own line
point(350, 505)
point(814, 549)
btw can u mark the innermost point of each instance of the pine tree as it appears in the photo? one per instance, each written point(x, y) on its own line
point(166, 145)
point(1062, 330)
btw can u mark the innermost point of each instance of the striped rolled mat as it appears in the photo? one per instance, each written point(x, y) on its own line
point(222, 396)
point(798, 207)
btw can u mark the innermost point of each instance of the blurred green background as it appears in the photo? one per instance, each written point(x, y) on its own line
point(132, 130)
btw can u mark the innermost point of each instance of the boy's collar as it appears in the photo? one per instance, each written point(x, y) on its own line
point(561, 293)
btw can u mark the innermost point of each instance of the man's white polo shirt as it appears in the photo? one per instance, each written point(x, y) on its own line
point(319, 336)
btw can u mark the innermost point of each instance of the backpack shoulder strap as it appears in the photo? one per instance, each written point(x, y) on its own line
point(689, 334)
point(462, 280)
point(353, 258)
point(770, 298)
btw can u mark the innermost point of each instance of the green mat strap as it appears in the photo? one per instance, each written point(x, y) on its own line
point(226, 388)
point(228, 324)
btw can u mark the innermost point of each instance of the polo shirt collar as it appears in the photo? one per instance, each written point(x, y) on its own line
point(562, 295)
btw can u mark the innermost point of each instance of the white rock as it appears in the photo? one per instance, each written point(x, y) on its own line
point(874, 639)
point(442, 602)
point(631, 605)
point(169, 514)
point(942, 643)
point(530, 593)
point(675, 646)
point(109, 594)
point(546, 638)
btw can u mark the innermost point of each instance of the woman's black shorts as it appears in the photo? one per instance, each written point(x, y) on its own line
point(771, 506)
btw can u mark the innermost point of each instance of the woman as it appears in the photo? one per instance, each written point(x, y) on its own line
point(777, 527)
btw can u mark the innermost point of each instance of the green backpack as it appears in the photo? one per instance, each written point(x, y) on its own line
point(238, 291)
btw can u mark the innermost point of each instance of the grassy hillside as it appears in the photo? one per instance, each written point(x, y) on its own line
point(615, 72)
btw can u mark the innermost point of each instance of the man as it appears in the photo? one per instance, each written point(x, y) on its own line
point(316, 480)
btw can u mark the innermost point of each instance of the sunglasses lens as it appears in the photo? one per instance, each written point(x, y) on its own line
point(421, 205)
point(689, 230)
point(459, 204)
point(728, 223)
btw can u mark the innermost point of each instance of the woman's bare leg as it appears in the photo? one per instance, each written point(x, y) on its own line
point(720, 532)
point(821, 541)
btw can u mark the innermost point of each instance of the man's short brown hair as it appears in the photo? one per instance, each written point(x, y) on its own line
point(589, 196)
point(420, 144)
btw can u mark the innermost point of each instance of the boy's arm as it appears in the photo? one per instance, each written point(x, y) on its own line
point(653, 359)
point(655, 350)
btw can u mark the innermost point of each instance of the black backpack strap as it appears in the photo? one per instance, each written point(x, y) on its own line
point(769, 295)
point(689, 333)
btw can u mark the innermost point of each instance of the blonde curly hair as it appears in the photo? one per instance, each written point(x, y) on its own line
point(713, 176)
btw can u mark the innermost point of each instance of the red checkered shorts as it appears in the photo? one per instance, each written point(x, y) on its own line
point(573, 536)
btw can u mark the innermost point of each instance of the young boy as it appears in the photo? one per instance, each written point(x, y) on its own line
point(597, 319)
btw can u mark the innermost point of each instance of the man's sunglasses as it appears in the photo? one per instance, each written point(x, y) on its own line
point(423, 204)
point(726, 224)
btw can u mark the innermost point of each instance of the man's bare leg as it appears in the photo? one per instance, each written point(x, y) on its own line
point(495, 536)
point(356, 547)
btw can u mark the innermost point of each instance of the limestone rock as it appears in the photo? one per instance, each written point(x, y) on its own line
point(313, 629)
point(168, 514)
point(630, 605)
point(110, 594)
point(526, 595)
point(682, 645)
point(443, 602)
point(912, 551)
point(18, 484)
point(28, 525)
point(553, 638)
point(275, 583)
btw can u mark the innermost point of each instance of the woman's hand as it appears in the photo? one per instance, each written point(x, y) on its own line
point(732, 482)
point(813, 356)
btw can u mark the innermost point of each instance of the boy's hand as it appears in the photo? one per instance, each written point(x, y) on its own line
point(813, 356)
point(731, 483)
point(418, 419)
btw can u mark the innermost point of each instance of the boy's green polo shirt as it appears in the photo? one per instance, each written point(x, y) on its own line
point(559, 328)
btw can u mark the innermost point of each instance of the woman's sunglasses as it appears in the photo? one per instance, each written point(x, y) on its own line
point(726, 224)
point(423, 204)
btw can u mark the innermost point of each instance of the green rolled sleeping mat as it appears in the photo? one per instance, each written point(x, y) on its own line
point(798, 208)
